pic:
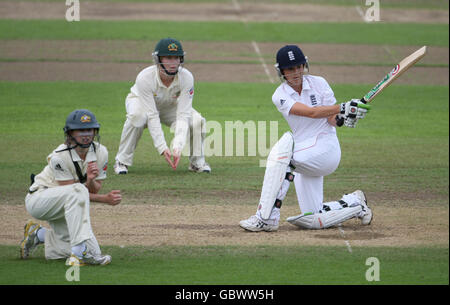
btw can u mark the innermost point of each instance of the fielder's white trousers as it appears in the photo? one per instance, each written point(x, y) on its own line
point(66, 209)
point(136, 122)
point(313, 159)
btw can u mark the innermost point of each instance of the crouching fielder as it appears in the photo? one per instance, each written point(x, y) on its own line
point(308, 153)
point(62, 192)
point(163, 94)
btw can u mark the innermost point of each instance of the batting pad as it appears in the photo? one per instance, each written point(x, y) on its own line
point(277, 164)
point(314, 221)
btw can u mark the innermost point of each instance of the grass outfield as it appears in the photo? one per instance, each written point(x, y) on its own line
point(214, 265)
point(402, 146)
point(352, 33)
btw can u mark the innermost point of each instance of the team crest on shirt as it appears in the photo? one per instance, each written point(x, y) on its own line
point(191, 92)
point(85, 119)
point(313, 100)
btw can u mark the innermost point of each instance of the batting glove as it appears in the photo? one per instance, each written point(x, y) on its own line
point(352, 111)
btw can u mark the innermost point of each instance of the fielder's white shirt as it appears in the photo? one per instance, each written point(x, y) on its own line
point(61, 168)
point(315, 92)
point(156, 97)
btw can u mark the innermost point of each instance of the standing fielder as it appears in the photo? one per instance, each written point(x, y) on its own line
point(62, 192)
point(163, 93)
point(311, 151)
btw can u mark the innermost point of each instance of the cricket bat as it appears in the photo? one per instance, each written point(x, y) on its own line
point(398, 70)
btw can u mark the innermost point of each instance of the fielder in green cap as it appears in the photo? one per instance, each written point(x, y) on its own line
point(163, 94)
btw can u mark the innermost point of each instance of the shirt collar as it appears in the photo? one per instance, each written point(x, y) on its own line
point(291, 91)
point(160, 83)
point(306, 85)
point(90, 156)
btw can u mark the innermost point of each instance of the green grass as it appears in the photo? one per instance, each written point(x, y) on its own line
point(231, 265)
point(352, 33)
point(401, 147)
point(387, 63)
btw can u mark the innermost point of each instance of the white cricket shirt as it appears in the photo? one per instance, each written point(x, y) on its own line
point(315, 92)
point(156, 98)
point(61, 168)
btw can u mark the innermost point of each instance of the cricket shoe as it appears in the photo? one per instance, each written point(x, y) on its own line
point(30, 239)
point(255, 224)
point(205, 168)
point(88, 259)
point(366, 214)
point(120, 168)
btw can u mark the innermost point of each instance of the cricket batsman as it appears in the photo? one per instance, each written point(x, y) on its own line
point(309, 152)
point(163, 94)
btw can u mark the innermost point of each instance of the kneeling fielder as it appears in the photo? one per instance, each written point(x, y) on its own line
point(62, 192)
point(308, 153)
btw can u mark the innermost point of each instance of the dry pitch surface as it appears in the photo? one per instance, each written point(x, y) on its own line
point(394, 224)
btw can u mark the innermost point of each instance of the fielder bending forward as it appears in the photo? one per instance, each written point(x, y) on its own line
point(62, 192)
point(308, 153)
point(163, 93)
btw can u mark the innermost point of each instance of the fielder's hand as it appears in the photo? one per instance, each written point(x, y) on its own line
point(114, 197)
point(168, 156)
point(176, 158)
point(92, 171)
point(353, 111)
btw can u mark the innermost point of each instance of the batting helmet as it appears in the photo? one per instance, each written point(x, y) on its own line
point(290, 56)
point(168, 47)
point(81, 119)
point(78, 120)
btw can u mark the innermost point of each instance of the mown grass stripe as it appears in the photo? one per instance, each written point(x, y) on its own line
point(351, 33)
point(381, 64)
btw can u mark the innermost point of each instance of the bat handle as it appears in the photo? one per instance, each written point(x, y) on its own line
point(363, 100)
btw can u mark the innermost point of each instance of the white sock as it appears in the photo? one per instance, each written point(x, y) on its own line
point(274, 217)
point(41, 234)
point(79, 249)
point(334, 205)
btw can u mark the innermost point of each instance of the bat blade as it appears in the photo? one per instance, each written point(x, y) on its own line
point(398, 70)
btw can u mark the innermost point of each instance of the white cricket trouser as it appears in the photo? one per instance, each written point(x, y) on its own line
point(313, 159)
point(66, 209)
point(136, 122)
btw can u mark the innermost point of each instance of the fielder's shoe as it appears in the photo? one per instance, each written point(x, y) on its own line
point(120, 168)
point(30, 239)
point(366, 214)
point(205, 168)
point(255, 224)
point(88, 259)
